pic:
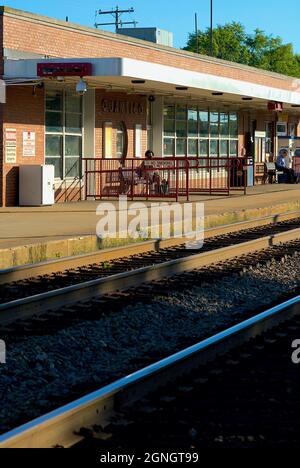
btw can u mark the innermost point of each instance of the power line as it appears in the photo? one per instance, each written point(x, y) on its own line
point(116, 13)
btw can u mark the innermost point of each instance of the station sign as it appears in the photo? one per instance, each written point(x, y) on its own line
point(274, 106)
point(64, 69)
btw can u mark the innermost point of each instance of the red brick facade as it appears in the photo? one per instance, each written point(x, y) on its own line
point(31, 33)
point(23, 111)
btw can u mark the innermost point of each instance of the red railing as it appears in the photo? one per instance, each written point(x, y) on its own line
point(163, 177)
point(296, 165)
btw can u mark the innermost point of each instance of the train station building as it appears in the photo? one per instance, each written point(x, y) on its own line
point(71, 94)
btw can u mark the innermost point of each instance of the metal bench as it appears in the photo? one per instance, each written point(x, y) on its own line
point(271, 173)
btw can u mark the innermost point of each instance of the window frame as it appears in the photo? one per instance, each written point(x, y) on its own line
point(64, 134)
point(172, 123)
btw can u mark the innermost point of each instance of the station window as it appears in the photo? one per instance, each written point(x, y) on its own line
point(196, 132)
point(63, 146)
point(120, 141)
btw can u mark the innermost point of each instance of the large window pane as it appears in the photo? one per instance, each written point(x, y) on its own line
point(214, 123)
point(73, 123)
point(73, 145)
point(203, 123)
point(54, 122)
point(193, 122)
point(192, 147)
point(169, 127)
point(192, 113)
point(233, 147)
point(169, 146)
point(169, 112)
point(214, 148)
point(224, 147)
point(181, 112)
point(233, 124)
point(53, 145)
point(193, 128)
point(54, 100)
point(73, 102)
point(181, 147)
point(204, 148)
point(181, 129)
point(72, 167)
point(224, 125)
point(56, 162)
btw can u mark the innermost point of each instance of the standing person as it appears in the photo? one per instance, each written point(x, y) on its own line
point(282, 165)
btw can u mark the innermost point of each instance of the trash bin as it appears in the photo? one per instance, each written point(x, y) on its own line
point(250, 172)
point(236, 172)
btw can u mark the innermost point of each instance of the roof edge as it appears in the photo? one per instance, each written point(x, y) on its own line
point(28, 16)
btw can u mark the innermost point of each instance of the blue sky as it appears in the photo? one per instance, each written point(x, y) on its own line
point(178, 16)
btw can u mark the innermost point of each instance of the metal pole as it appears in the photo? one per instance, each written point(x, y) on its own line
point(117, 18)
point(196, 32)
point(211, 28)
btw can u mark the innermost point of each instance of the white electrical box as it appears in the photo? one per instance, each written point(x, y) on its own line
point(36, 185)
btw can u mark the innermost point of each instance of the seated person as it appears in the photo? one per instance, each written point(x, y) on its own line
point(152, 177)
point(282, 165)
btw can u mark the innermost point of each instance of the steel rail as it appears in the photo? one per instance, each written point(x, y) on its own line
point(22, 272)
point(53, 300)
point(62, 426)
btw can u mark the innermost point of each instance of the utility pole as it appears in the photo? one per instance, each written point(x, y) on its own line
point(196, 32)
point(116, 13)
point(211, 28)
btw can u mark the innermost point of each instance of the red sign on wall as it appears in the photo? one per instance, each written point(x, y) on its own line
point(275, 106)
point(64, 69)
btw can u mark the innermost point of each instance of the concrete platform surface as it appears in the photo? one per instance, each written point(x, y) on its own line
point(24, 226)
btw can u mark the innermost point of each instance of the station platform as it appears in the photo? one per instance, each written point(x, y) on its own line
point(29, 235)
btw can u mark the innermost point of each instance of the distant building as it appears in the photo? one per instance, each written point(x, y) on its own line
point(156, 35)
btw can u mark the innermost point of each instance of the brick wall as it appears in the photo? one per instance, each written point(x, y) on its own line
point(23, 111)
point(41, 35)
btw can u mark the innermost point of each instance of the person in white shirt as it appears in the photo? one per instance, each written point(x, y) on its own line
point(282, 164)
point(288, 160)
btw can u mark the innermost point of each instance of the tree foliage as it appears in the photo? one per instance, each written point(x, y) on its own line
point(232, 42)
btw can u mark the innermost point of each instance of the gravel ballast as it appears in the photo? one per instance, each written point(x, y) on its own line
point(44, 371)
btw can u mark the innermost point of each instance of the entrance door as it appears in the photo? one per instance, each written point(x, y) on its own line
point(259, 155)
point(260, 147)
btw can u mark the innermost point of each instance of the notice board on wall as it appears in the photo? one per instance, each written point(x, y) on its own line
point(10, 146)
point(28, 144)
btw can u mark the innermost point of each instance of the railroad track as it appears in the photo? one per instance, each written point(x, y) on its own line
point(97, 416)
point(56, 271)
point(122, 274)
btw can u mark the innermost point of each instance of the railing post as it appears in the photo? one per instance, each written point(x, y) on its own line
point(187, 174)
point(86, 180)
point(132, 181)
point(100, 178)
point(176, 181)
point(245, 175)
point(209, 168)
point(228, 174)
